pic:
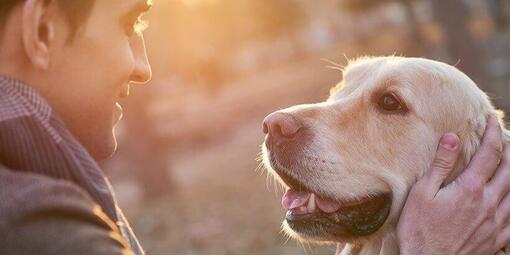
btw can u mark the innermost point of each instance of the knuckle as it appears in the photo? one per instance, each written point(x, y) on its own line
point(418, 192)
point(506, 152)
point(473, 188)
point(474, 184)
point(492, 144)
point(505, 160)
point(442, 163)
point(496, 149)
point(417, 187)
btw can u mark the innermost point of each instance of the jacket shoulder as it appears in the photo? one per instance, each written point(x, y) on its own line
point(21, 193)
point(41, 215)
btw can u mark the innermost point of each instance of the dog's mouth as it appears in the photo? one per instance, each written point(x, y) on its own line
point(319, 217)
point(327, 220)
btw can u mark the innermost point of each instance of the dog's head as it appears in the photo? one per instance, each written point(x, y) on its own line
point(348, 162)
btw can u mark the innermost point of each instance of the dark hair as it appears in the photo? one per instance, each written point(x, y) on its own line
point(77, 11)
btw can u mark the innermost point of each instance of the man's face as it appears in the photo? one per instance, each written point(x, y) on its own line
point(90, 73)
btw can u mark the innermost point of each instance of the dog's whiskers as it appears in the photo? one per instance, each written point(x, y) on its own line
point(302, 244)
point(260, 168)
point(268, 181)
point(311, 248)
point(334, 65)
point(335, 68)
point(285, 234)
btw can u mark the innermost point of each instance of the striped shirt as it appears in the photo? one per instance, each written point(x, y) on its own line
point(34, 139)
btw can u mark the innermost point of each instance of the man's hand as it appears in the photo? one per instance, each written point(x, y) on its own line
point(469, 215)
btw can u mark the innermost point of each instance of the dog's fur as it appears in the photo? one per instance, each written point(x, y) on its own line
point(359, 150)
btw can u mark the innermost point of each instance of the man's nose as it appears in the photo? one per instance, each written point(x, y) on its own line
point(142, 72)
point(282, 125)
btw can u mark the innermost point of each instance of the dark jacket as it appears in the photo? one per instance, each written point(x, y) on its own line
point(40, 215)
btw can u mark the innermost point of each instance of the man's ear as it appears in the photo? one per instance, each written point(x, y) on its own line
point(38, 31)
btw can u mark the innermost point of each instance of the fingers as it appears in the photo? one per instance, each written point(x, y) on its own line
point(503, 211)
point(442, 165)
point(502, 217)
point(482, 240)
point(486, 159)
point(503, 238)
point(494, 233)
point(499, 185)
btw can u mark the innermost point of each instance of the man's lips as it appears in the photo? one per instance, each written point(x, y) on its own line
point(118, 112)
point(125, 91)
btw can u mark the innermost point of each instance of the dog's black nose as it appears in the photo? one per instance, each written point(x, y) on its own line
point(282, 125)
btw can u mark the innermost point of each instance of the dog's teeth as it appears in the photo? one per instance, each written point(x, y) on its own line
point(310, 207)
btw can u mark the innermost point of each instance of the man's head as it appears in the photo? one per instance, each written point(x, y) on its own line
point(76, 11)
point(80, 56)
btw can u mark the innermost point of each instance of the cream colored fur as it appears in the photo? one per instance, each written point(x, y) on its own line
point(362, 151)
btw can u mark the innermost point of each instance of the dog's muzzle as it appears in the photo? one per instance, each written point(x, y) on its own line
point(309, 213)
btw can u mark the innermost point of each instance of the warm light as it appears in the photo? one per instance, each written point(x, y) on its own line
point(192, 3)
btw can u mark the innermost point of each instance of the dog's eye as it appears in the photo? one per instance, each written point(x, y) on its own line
point(389, 102)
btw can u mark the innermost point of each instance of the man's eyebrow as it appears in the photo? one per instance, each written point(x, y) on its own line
point(139, 8)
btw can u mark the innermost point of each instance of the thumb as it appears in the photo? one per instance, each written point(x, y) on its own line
point(446, 156)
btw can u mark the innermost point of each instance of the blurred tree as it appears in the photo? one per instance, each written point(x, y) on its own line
point(452, 15)
point(499, 13)
point(416, 44)
point(361, 6)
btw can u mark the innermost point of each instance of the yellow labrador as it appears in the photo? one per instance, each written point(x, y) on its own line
point(349, 162)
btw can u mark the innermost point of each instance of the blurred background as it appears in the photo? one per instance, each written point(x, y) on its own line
point(186, 171)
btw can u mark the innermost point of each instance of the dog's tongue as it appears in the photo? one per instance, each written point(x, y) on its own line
point(293, 199)
point(326, 205)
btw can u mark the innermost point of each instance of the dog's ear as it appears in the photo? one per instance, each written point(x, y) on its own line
point(471, 139)
point(501, 118)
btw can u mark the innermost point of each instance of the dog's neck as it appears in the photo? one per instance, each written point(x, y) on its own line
point(383, 246)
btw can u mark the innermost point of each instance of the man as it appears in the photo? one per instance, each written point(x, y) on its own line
point(63, 66)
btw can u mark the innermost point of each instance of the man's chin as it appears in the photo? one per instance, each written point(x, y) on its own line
point(103, 149)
